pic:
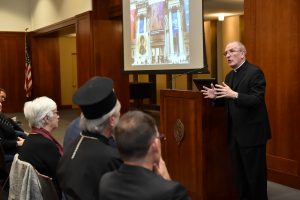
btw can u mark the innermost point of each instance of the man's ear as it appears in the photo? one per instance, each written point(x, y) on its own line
point(154, 151)
point(153, 148)
point(113, 121)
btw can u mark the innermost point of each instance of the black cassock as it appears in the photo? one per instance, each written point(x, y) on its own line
point(81, 167)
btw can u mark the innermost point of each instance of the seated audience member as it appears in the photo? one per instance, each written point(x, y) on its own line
point(144, 174)
point(2, 100)
point(90, 155)
point(10, 137)
point(2, 95)
point(11, 134)
point(41, 149)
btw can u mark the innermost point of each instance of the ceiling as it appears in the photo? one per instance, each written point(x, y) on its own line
point(213, 8)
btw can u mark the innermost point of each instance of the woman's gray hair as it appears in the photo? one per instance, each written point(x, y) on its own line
point(36, 110)
point(97, 125)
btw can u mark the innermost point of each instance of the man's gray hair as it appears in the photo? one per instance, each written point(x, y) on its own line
point(241, 46)
point(97, 125)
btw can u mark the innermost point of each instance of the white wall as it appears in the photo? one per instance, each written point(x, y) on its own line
point(47, 12)
point(16, 15)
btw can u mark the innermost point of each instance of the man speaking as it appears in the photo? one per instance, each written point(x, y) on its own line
point(248, 125)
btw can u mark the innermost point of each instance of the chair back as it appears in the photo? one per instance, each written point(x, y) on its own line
point(49, 191)
point(26, 183)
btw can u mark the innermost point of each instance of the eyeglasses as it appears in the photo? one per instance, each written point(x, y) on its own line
point(230, 52)
point(161, 137)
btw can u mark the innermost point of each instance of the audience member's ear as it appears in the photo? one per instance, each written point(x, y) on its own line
point(154, 147)
point(114, 119)
point(46, 119)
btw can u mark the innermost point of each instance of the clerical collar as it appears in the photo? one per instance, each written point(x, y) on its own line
point(237, 69)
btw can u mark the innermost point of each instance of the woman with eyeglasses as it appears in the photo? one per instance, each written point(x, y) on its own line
point(41, 149)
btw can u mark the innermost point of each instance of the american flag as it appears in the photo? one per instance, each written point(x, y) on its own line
point(28, 78)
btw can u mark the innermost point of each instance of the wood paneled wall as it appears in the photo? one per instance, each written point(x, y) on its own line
point(99, 52)
point(12, 66)
point(84, 46)
point(272, 37)
point(108, 46)
point(46, 68)
point(109, 57)
point(100, 46)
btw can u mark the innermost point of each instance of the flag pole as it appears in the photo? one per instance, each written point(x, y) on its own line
point(28, 78)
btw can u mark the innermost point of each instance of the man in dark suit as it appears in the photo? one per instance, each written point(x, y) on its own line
point(11, 134)
point(144, 174)
point(248, 123)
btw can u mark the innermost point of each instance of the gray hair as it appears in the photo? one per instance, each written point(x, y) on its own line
point(35, 111)
point(240, 45)
point(97, 125)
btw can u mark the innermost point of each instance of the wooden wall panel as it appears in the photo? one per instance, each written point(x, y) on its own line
point(99, 52)
point(46, 68)
point(107, 9)
point(109, 57)
point(84, 45)
point(45, 55)
point(12, 66)
point(272, 39)
point(108, 46)
point(115, 9)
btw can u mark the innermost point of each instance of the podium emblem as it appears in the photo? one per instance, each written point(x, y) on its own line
point(178, 131)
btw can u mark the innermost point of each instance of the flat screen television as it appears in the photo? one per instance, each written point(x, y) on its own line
point(163, 36)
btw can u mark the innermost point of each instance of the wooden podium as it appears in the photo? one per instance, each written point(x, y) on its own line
point(196, 149)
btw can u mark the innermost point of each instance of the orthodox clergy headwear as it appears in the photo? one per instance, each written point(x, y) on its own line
point(96, 97)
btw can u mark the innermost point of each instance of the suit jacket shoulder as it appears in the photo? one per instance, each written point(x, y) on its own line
point(134, 183)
